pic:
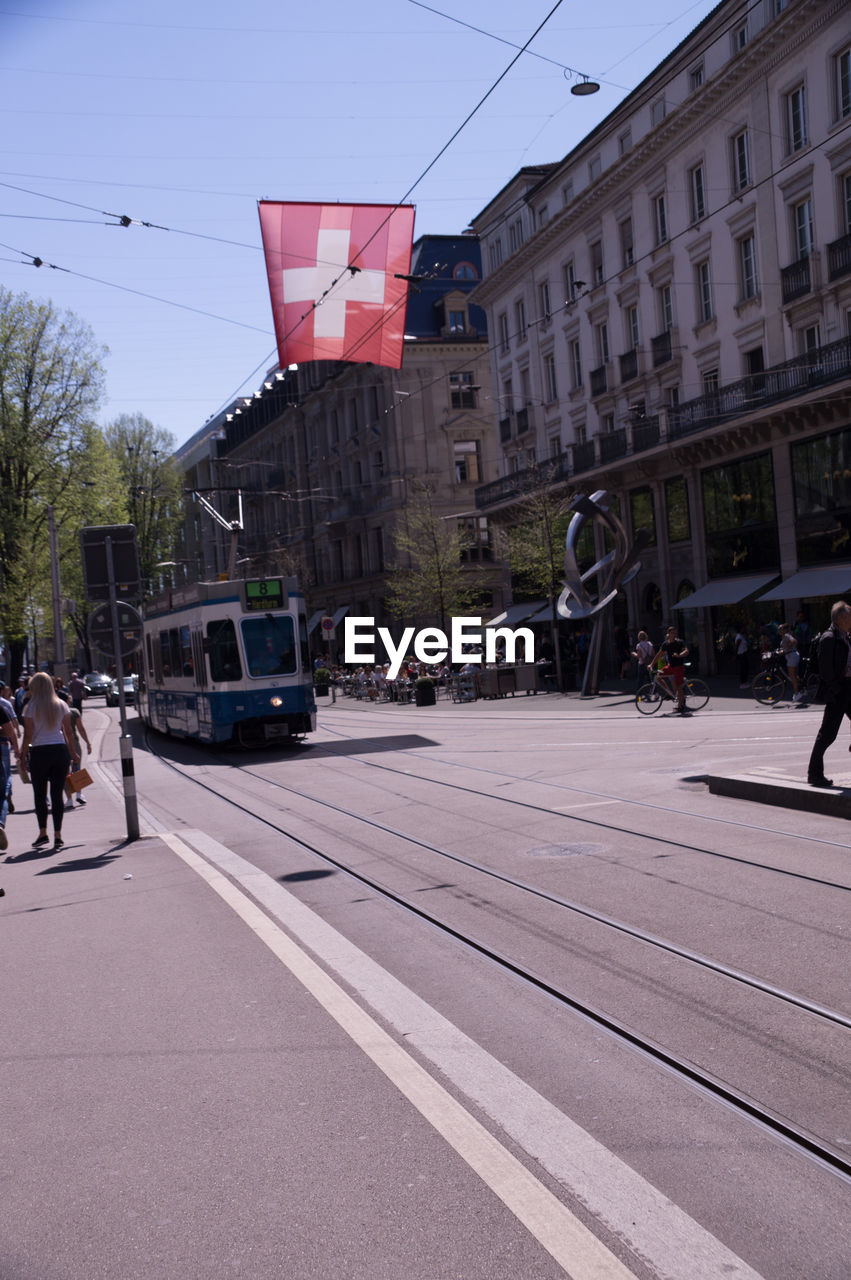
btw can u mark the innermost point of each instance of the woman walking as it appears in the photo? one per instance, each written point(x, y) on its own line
point(50, 742)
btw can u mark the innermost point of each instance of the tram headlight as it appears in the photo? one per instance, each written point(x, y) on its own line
point(277, 702)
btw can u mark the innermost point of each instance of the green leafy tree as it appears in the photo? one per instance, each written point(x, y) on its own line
point(153, 489)
point(51, 380)
point(536, 547)
point(429, 582)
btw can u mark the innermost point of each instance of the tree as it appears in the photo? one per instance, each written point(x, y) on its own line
point(536, 547)
point(429, 582)
point(153, 487)
point(51, 380)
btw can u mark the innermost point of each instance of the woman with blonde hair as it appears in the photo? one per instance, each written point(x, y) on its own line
point(50, 742)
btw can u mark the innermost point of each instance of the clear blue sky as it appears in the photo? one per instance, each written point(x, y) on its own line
point(184, 114)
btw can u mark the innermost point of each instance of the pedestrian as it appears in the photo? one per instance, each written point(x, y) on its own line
point(77, 691)
point(60, 690)
point(78, 730)
point(7, 703)
point(740, 644)
point(643, 654)
point(676, 652)
point(802, 633)
point(834, 668)
point(50, 743)
point(10, 737)
point(789, 649)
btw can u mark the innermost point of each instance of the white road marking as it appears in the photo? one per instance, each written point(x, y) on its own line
point(563, 1236)
point(650, 1225)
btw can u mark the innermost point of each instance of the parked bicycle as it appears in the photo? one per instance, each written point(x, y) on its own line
point(661, 689)
point(773, 683)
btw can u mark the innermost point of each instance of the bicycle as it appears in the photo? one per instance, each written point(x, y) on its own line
point(770, 686)
point(650, 696)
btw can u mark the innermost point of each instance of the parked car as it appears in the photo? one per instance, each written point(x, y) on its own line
point(96, 683)
point(130, 685)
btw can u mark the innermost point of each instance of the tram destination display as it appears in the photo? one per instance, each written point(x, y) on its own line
point(264, 594)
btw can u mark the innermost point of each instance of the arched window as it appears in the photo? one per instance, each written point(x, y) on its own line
point(465, 271)
point(653, 600)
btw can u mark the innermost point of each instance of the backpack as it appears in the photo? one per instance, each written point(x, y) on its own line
point(815, 644)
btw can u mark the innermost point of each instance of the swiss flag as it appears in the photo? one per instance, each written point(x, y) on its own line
point(333, 276)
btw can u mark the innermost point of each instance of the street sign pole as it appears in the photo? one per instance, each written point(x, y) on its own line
point(125, 743)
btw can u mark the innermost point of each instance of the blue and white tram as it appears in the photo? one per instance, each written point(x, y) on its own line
point(228, 661)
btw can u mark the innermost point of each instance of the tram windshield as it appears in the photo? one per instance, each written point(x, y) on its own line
point(270, 645)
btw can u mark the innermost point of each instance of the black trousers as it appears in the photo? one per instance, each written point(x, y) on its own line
point(49, 769)
point(831, 723)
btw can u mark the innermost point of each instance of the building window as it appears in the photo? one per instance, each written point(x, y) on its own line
point(740, 149)
point(821, 473)
point(502, 327)
point(796, 119)
point(544, 299)
point(676, 509)
point(627, 245)
point(624, 142)
point(353, 418)
point(575, 363)
point(569, 282)
point(747, 267)
point(476, 539)
point(697, 184)
point(740, 516)
point(660, 219)
point(666, 307)
point(704, 291)
point(603, 343)
point(739, 37)
point(466, 455)
point(695, 77)
point(709, 379)
point(462, 392)
point(642, 512)
point(657, 112)
point(843, 84)
point(495, 253)
point(463, 271)
point(543, 215)
point(595, 168)
point(809, 339)
point(457, 322)
point(802, 219)
point(515, 235)
point(550, 383)
point(520, 319)
point(567, 191)
point(597, 262)
point(632, 334)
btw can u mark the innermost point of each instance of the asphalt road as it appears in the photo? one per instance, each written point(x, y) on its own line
point(245, 1061)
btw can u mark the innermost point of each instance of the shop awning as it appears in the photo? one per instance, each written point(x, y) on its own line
point(313, 622)
point(340, 614)
point(831, 580)
point(544, 614)
point(514, 614)
point(725, 591)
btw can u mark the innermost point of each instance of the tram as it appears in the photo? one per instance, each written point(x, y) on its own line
point(228, 661)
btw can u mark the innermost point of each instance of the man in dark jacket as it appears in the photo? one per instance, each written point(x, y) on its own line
point(834, 667)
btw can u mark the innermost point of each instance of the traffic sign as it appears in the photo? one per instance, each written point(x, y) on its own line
point(125, 560)
point(326, 626)
point(129, 630)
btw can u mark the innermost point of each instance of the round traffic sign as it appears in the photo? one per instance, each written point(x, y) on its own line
point(129, 630)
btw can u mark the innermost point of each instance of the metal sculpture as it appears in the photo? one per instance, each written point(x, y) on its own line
point(610, 573)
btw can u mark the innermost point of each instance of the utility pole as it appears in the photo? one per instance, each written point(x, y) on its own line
point(58, 634)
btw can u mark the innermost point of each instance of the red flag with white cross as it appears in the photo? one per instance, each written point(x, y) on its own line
point(337, 279)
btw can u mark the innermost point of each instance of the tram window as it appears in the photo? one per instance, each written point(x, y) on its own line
point(187, 666)
point(302, 641)
point(165, 656)
point(174, 648)
point(270, 645)
point(223, 651)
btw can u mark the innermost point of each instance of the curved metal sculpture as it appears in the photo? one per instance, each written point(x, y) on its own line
point(611, 572)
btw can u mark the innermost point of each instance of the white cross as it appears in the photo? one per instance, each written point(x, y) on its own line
point(307, 284)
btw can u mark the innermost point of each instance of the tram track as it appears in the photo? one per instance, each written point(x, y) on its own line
point(801, 1138)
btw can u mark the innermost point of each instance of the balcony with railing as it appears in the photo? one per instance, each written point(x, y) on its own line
point(839, 258)
point(787, 381)
point(662, 348)
point(598, 381)
point(629, 365)
point(523, 422)
point(504, 430)
point(796, 280)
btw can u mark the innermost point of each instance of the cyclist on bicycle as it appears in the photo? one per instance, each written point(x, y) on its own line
point(676, 652)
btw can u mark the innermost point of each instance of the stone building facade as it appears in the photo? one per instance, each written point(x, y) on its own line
point(670, 317)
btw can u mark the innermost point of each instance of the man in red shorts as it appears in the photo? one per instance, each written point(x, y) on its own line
point(676, 653)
